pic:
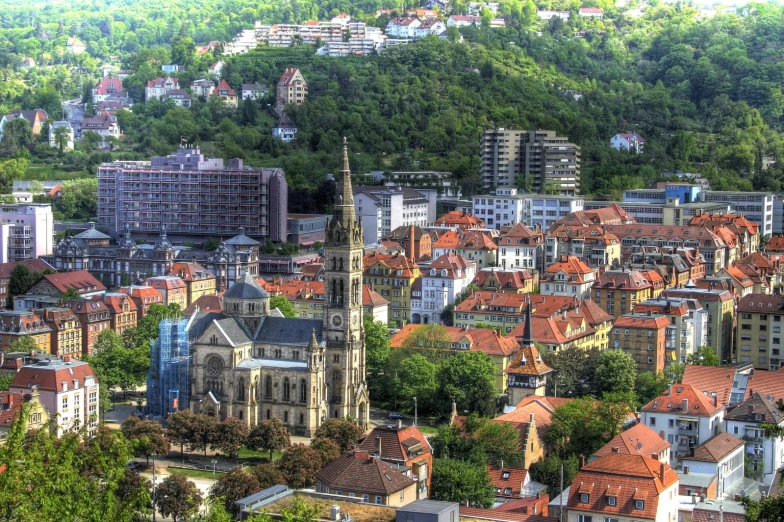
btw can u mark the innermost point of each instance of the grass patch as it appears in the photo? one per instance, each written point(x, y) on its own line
point(428, 430)
point(194, 473)
point(256, 457)
point(46, 172)
point(359, 512)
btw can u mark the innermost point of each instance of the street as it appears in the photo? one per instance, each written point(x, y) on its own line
point(75, 114)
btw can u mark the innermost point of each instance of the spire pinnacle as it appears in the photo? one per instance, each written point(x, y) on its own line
point(346, 169)
point(528, 338)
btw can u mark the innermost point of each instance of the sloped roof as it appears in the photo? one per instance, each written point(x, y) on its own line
point(711, 379)
point(757, 405)
point(672, 401)
point(224, 86)
point(503, 478)
point(246, 287)
point(460, 219)
point(50, 373)
point(768, 383)
point(716, 448)
point(528, 361)
point(372, 298)
point(506, 278)
point(205, 303)
point(36, 265)
point(92, 233)
point(637, 440)
point(282, 330)
point(358, 471)
point(400, 444)
point(80, 280)
point(479, 339)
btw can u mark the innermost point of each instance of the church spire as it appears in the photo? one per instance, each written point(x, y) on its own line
point(528, 338)
point(345, 191)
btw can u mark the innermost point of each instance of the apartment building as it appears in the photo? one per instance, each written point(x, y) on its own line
point(415, 241)
point(291, 88)
point(505, 208)
point(618, 290)
point(521, 247)
point(94, 318)
point(193, 197)
point(756, 206)
point(475, 245)
point(544, 210)
point(446, 278)
point(155, 89)
point(459, 219)
point(198, 280)
point(758, 336)
point(721, 456)
point(123, 312)
point(568, 276)
point(592, 244)
point(766, 454)
point(720, 306)
point(507, 280)
point(392, 276)
point(644, 337)
point(687, 416)
point(543, 160)
point(68, 390)
point(689, 320)
point(144, 296)
point(26, 231)
point(66, 336)
point(384, 209)
point(15, 324)
point(173, 289)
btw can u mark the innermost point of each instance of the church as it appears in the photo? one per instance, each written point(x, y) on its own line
point(248, 364)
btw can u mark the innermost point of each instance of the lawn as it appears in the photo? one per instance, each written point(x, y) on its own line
point(46, 172)
point(194, 473)
point(358, 512)
point(256, 457)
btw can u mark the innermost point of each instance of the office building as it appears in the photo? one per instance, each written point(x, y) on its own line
point(193, 197)
point(544, 210)
point(26, 231)
point(540, 158)
point(505, 208)
point(756, 206)
point(758, 336)
point(382, 209)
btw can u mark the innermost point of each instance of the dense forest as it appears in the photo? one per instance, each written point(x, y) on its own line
point(705, 93)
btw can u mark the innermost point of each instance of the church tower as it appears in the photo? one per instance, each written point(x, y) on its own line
point(346, 389)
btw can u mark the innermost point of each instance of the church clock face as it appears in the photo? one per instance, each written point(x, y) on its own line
point(337, 320)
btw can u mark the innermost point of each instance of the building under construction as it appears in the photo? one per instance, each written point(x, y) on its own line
point(168, 383)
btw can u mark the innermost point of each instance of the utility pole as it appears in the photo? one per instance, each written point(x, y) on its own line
point(560, 498)
point(415, 411)
point(153, 489)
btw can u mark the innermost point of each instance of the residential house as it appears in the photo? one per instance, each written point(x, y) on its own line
point(568, 276)
point(253, 91)
point(637, 440)
point(27, 63)
point(35, 265)
point(94, 318)
point(105, 125)
point(730, 385)
point(500, 349)
point(747, 231)
point(68, 142)
point(628, 141)
point(687, 416)
point(392, 276)
point(689, 321)
point(720, 306)
point(75, 46)
point(474, 245)
point(422, 241)
point(199, 280)
point(226, 93)
point(740, 282)
point(156, 88)
point(285, 130)
point(58, 284)
point(360, 475)
point(180, 97)
point(66, 335)
point(596, 13)
point(11, 404)
point(68, 391)
point(511, 483)
point(646, 337)
point(463, 20)
point(612, 214)
point(623, 487)
point(15, 324)
point(403, 446)
point(122, 311)
point(758, 336)
point(459, 219)
point(585, 327)
point(107, 88)
point(442, 282)
point(35, 119)
point(173, 289)
point(722, 455)
point(291, 88)
point(404, 27)
point(374, 304)
point(547, 15)
point(618, 290)
point(766, 454)
point(203, 88)
point(592, 244)
point(510, 280)
point(216, 69)
point(521, 247)
point(144, 297)
point(431, 26)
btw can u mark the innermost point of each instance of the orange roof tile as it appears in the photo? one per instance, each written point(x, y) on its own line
point(459, 219)
point(716, 448)
point(507, 481)
point(672, 402)
point(478, 339)
point(637, 440)
point(711, 379)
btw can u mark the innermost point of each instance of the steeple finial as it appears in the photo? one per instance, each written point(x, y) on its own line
point(346, 168)
point(528, 338)
point(313, 344)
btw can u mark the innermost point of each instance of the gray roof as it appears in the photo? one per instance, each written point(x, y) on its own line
point(242, 240)
point(700, 480)
point(277, 330)
point(234, 330)
point(91, 233)
point(246, 287)
point(428, 506)
point(286, 364)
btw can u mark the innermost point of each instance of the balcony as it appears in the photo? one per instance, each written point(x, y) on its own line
point(691, 429)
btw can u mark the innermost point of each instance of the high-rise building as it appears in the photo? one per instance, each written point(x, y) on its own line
point(26, 231)
point(193, 197)
point(546, 161)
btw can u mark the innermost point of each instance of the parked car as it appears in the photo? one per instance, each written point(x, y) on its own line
point(395, 416)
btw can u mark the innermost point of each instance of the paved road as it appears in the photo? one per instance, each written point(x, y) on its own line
point(75, 114)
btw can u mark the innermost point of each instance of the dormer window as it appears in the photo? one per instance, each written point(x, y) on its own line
point(584, 498)
point(639, 504)
point(611, 501)
point(508, 491)
point(505, 475)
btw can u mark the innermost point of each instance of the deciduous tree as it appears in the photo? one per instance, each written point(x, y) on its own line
point(269, 435)
point(463, 482)
point(177, 497)
point(179, 428)
point(229, 436)
point(232, 486)
point(281, 303)
point(345, 433)
point(299, 465)
point(147, 437)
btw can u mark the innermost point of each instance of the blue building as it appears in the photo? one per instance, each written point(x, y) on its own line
point(168, 382)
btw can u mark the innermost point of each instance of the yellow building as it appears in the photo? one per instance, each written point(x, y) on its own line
point(720, 306)
point(198, 280)
point(66, 329)
point(392, 276)
point(619, 290)
point(172, 288)
point(507, 280)
point(11, 404)
point(17, 324)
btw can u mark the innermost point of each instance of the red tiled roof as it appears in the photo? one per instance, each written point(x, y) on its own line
point(396, 444)
point(716, 448)
point(358, 471)
point(571, 265)
point(762, 304)
point(143, 292)
point(190, 271)
point(768, 383)
point(557, 329)
point(80, 280)
point(507, 480)
point(50, 378)
point(205, 303)
point(460, 219)
point(698, 403)
point(224, 86)
point(372, 298)
point(528, 361)
point(391, 261)
point(102, 87)
point(708, 515)
point(495, 515)
point(454, 264)
point(634, 320)
point(165, 282)
point(479, 339)
point(711, 379)
point(613, 214)
point(506, 278)
point(116, 303)
point(637, 440)
point(36, 265)
point(288, 76)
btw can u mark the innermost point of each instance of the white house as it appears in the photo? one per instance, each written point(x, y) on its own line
point(463, 20)
point(402, 27)
point(69, 132)
point(155, 89)
point(722, 455)
point(431, 26)
point(217, 68)
point(521, 247)
point(686, 415)
point(203, 88)
point(547, 15)
point(475, 8)
point(765, 453)
point(630, 141)
point(67, 389)
point(442, 282)
point(503, 209)
point(568, 276)
point(253, 91)
point(591, 12)
point(285, 130)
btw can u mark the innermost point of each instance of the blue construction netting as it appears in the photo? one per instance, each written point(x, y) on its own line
point(168, 382)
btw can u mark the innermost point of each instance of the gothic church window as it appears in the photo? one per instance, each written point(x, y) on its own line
point(268, 388)
point(303, 391)
point(286, 389)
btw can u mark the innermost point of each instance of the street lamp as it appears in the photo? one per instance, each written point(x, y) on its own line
point(415, 411)
point(214, 462)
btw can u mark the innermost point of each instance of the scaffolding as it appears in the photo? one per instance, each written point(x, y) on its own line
point(168, 382)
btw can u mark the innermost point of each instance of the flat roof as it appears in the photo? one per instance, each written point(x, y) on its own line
point(429, 506)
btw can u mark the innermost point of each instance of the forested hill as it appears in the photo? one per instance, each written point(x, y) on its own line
point(706, 94)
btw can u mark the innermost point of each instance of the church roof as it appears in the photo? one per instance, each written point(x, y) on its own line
point(246, 287)
point(281, 330)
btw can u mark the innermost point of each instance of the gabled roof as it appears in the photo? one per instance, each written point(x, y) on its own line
point(572, 266)
point(168, 282)
point(465, 239)
point(637, 440)
point(224, 86)
point(507, 481)
point(372, 298)
point(478, 340)
point(757, 408)
point(116, 301)
point(521, 235)
point(762, 304)
point(613, 214)
point(711, 379)
point(36, 265)
point(460, 219)
point(205, 303)
point(515, 279)
point(636, 320)
point(623, 279)
point(716, 448)
point(49, 374)
point(81, 280)
point(358, 471)
point(190, 271)
point(768, 383)
point(671, 401)
point(397, 444)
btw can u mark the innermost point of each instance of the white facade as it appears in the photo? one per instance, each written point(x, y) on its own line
point(203, 88)
point(756, 206)
point(284, 132)
point(728, 470)
point(547, 15)
point(629, 141)
point(26, 231)
point(766, 453)
point(546, 210)
point(440, 288)
point(505, 208)
point(383, 209)
point(69, 143)
point(434, 27)
point(155, 89)
point(560, 284)
point(402, 27)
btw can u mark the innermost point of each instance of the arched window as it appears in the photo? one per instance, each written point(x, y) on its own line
point(285, 417)
point(303, 391)
point(337, 385)
point(268, 415)
point(240, 415)
point(268, 387)
point(241, 389)
point(302, 418)
point(286, 389)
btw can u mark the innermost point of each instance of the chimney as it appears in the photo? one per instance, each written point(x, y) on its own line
point(67, 359)
point(582, 461)
point(685, 405)
point(615, 449)
point(501, 465)
point(378, 445)
point(10, 400)
point(669, 391)
point(685, 470)
point(400, 424)
point(655, 456)
point(411, 232)
point(661, 472)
